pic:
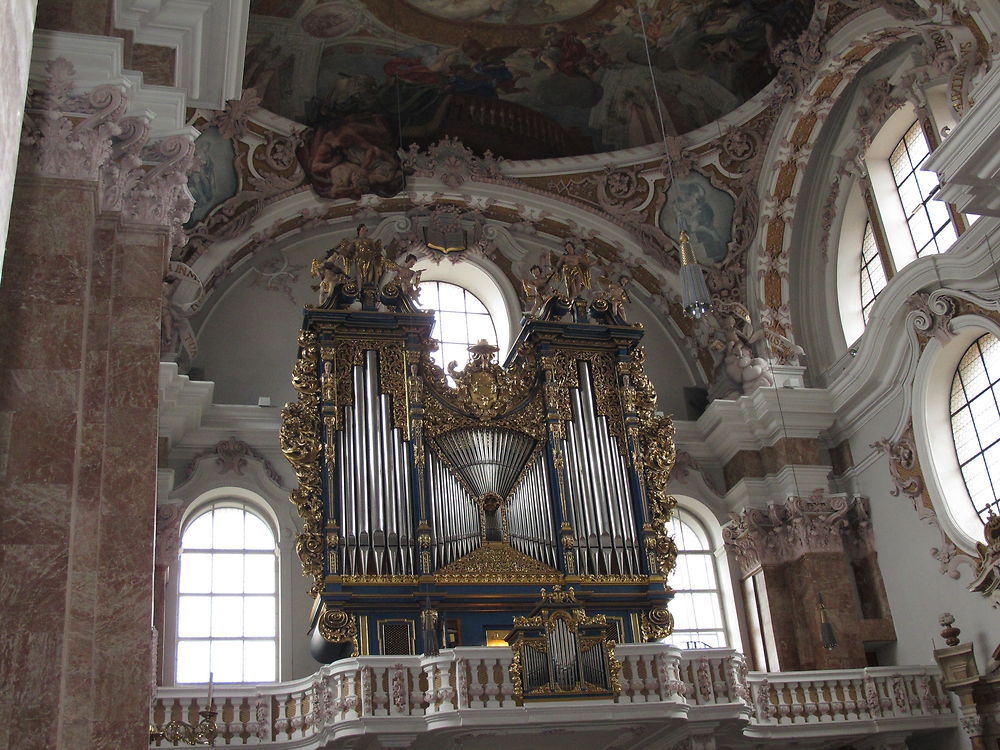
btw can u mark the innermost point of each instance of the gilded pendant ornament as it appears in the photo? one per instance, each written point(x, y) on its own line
point(337, 626)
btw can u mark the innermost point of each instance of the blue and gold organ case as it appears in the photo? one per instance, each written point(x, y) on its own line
point(436, 505)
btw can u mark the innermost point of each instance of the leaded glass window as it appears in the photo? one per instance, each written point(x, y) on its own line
point(873, 278)
point(227, 598)
point(697, 602)
point(929, 220)
point(460, 320)
point(975, 422)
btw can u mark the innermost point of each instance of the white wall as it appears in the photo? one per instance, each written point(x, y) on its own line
point(17, 20)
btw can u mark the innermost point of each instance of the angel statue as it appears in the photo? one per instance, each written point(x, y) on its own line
point(740, 372)
point(537, 290)
point(574, 265)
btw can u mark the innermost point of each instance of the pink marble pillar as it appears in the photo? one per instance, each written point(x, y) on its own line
point(79, 311)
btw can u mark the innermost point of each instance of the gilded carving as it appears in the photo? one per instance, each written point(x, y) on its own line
point(657, 624)
point(299, 438)
point(497, 562)
point(337, 626)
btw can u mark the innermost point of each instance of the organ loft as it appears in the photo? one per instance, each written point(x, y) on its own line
point(436, 504)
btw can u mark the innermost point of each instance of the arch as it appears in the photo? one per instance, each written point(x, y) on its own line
point(932, 418)
point(238, 494)
point(482, 278)
point(708, 532)
point(227, 595)
point(856, 44)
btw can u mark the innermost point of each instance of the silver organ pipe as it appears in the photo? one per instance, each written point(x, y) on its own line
point(597, 483)
point(529, 515)
point(454, 515)
point(373, 482)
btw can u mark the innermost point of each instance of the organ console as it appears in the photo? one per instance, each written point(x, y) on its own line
point(463, 498)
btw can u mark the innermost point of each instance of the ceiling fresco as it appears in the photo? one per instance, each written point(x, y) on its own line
point(522, 78)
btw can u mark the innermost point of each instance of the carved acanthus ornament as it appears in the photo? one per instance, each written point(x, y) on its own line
point(451, 162)
point(87, 137)
point(785, 532)
point(497, 562)
point(233, 455)
point(300, 441)
point(904, 467)
point(337, 626)
point(987, 580)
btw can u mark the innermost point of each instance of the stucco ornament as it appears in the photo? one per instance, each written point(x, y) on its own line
point(87, 137)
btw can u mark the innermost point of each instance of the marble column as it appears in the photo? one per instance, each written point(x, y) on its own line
point(811, 547)
point(96, 205)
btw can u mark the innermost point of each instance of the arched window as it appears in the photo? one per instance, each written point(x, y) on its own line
point(697, 604)
point(975, 422)
point(227, 597)
point(460, 320)
point(873, 276)
point(928, 220)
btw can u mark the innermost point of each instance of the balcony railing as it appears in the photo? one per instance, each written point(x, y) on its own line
point(385, 695)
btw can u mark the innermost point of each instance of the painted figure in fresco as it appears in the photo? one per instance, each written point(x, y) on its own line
point(574, 265)
point(351, 156)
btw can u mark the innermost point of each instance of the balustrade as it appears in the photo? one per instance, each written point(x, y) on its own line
point(342, 695)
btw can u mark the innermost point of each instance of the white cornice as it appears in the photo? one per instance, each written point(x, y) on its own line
point(968, 162)
point(790, 481)
point(182, 402)
point(209, 37)
point(98, 61)
point(885, 356)
point(761, 419)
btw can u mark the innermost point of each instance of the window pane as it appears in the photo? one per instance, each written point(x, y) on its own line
point(257, 533)
point(976, 423)
point(966, 440)
point(192, 661)
point(939, 213)
point(227, 616)
point(928, 183)
point(453, 328)
point(707, 613)
point(259, 574)
point(194, 616)
point(227, 661)
point(481, 327)
point(984, 416)
point(460, 320)
point(452, 297)
point(227, 529)
point(989, 348)
point(227, 573)
point(198, 534)
point(702, 571)
point(196, 573)
point(259, 616)
point(259, 661)
point(946, 237)
point(224, 618)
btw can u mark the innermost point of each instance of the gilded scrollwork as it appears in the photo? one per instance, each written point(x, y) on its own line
point(657, 624)
point(337, 626)
point(300, 441)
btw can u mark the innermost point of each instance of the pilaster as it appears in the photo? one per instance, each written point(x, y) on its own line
point(96, 203)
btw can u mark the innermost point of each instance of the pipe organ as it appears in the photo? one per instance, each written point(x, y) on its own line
point(460, 495)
